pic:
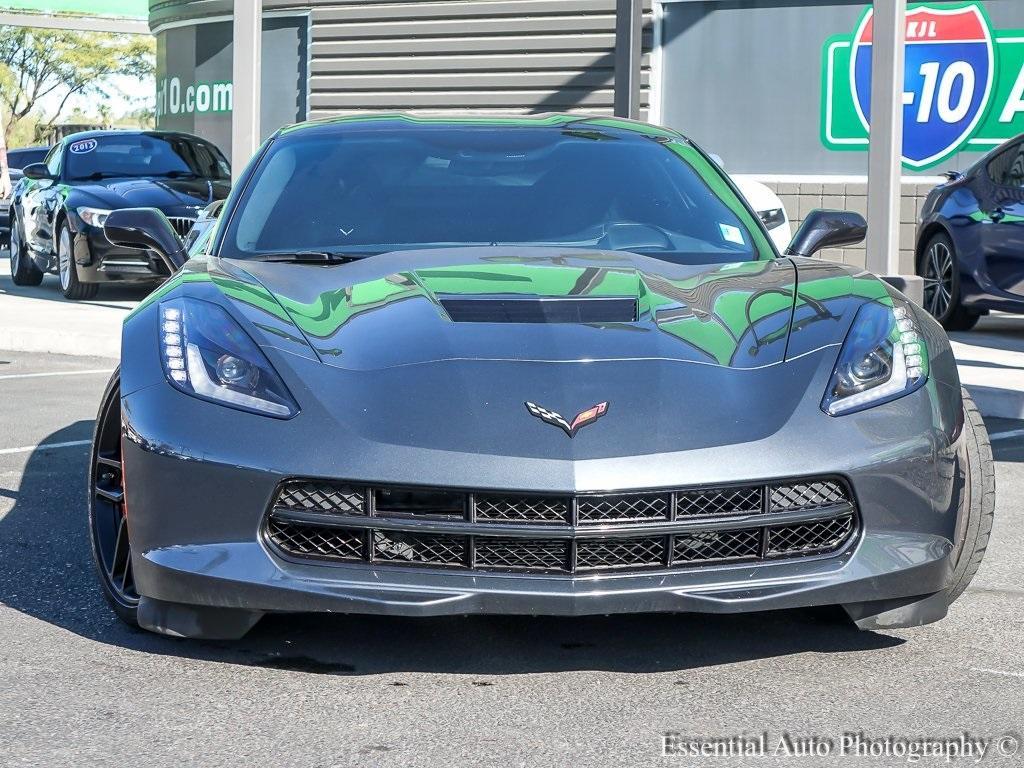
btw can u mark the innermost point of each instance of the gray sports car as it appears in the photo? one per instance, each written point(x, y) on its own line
point(541, 365)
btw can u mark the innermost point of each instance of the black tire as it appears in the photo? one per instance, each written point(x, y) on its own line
point(978, 504)
point(107, 520)
point(23, 269)
point(67, 272)
point(939, 266)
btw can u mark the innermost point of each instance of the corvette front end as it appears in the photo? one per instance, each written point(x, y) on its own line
point(539, 366)
point(427, 485)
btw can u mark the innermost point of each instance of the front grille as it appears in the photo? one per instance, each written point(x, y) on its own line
point(182, 225)
point(605, 509)
point(521, 509)
point(313, 496)
point(817, 536)
point(530, 554)
point(725, 501)
point(426, 549)
point(716, 546)
point(315, 540)
point(620, 553)
point(565, 534)
point(807, 495)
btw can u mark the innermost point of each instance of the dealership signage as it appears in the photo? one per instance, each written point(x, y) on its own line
point(173, 97)
point(963, 84)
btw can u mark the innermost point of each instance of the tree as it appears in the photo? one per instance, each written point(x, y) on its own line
point(64, 63)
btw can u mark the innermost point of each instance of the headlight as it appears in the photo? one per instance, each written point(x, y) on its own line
point(776, 217)
point(94, 217)
point(883, 358)
point(206, 354)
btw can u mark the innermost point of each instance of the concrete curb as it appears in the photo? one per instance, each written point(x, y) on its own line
point(27, 339)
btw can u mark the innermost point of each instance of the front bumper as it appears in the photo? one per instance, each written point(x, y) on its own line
point(196, 516)
point(99, 261)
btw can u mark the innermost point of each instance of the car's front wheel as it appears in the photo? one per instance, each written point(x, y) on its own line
point(978, 502)
point(108, 519)
point(939, 266)
point(23, 269)
point(70, 285)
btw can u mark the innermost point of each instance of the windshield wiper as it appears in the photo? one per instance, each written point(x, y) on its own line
point(97, 175)
point(178, 175)
point(312, 257)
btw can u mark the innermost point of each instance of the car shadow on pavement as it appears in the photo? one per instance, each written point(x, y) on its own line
point(109, 296)
point(48, 575)
point(997, 332)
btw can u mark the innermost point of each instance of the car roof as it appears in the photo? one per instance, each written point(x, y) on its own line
point(547, 120)
point(71, 137)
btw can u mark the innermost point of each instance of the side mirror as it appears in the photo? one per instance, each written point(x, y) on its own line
point(146, 229)
point(37, 171)
point(827, 229)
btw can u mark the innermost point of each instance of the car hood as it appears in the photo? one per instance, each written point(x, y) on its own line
point(370, 350)
point(169, 195)
point(423, 306)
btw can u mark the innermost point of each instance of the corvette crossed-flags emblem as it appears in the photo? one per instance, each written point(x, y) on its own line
point(581, 420)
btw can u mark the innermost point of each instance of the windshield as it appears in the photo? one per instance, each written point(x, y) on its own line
point(146, 154)
point(365, 192)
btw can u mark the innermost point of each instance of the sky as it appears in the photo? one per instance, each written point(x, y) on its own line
point(127, 93)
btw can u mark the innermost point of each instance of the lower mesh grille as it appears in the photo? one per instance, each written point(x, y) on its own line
point(709, 546)
point(600, 509)
point(419, 548)
point(531, 554)
point(620, 553)
point(533, 509)
point(331, 521)
point(315, 540)
point(818, 536)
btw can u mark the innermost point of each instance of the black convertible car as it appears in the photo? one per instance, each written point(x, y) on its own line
point(58, 209)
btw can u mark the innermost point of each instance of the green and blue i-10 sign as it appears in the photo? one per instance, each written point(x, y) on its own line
point(963, 84)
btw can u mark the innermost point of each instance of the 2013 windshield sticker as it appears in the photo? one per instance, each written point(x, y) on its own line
point(83, 146)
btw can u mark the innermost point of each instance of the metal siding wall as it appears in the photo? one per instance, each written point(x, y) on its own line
point(484, 56)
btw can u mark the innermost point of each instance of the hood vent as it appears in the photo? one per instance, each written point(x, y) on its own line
point(534, 309)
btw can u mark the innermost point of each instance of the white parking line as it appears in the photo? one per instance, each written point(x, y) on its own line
point(1006, 435)
point(3, 377)
point(44, 446)
point(997, 672)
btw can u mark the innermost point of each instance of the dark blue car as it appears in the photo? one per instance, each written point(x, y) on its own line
point(970, 241)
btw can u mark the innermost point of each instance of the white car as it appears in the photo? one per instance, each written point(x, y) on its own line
point(769, 209)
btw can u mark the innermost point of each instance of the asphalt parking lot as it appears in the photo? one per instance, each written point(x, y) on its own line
point(78, 688)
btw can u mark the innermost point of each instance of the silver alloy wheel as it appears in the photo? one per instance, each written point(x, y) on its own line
point(64, 258)
point(938, 280)
point(15, 245)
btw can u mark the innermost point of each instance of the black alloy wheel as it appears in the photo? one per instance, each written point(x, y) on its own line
point(108, 514)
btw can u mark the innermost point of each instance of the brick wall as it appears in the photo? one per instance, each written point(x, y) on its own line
point(802, 198)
